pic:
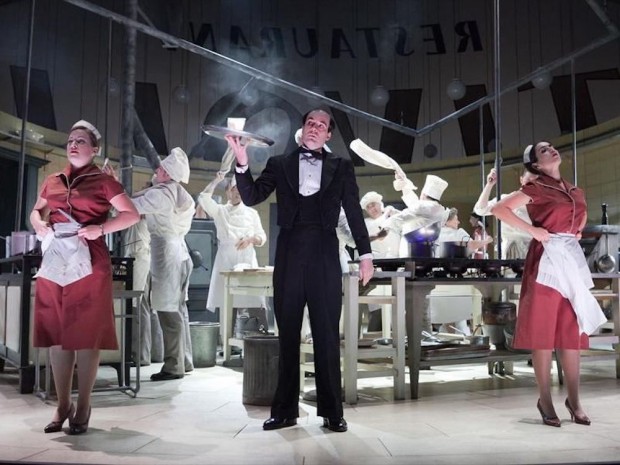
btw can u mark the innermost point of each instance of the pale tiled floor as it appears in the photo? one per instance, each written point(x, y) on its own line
point(464, 416)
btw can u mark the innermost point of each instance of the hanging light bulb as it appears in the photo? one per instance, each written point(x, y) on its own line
point(379, 96)
point(181, 94)
point(430, 150)
point(456, 89)
point(542, 80)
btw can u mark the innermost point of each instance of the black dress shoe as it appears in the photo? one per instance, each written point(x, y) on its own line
point(277, 423)
point(339, 425)
point(163, 376)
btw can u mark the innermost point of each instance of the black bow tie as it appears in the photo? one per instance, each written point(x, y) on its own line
point(310, 155)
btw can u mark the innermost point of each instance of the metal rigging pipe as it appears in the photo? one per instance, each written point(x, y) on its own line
point(129, 96)
point(22, 142)
point(498, 113)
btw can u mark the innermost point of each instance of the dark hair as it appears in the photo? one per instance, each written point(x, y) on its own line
point(93, 139)
point(332, 124)
point(480, 218)
point(533, 159)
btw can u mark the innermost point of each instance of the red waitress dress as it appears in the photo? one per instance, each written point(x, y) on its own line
point(546, 320)
point(81, 314)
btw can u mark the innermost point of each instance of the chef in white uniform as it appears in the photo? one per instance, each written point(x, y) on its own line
point(239, 230)
point(421, 211)
point(384, 243)
point(169, 210)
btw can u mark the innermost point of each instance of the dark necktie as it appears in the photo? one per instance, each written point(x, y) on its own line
point(311, 155)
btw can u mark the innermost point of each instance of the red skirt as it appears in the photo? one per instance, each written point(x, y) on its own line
point(545, 319)
point(79, 315)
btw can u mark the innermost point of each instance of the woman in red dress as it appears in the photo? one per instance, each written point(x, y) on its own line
point(77, 320)
point(546, 320)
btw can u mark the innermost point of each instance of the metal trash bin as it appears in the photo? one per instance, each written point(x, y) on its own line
point(260, 369)
point(204, 337)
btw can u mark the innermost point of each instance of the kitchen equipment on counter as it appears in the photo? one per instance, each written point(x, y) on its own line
point(495, 317)
point(422, 243)
point(606, 263)
point(20, 243)
point(600, 245)
point(451, 249)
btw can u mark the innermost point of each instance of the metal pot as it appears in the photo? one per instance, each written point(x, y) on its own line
point(21, 242)
point(478, 340)
point(498, 313)
point(451, 249)
point(422, 241)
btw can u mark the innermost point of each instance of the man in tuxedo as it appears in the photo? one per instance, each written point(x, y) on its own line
point(311, 185)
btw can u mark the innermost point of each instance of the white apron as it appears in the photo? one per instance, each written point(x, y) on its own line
point(66, 257)
point(232, 223)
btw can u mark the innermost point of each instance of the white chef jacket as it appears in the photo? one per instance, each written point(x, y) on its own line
point(169, 210)
point(233, 223)
point(388, 246)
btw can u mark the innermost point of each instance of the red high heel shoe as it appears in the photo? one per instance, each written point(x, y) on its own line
point(55, 426)
point(549, 421)
point(584, 420)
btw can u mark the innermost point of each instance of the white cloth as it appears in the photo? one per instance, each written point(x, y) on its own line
point(387, 247)
point(66, 257)
point(169, 210)
point(233, 223)
point(563, 267)
point(345, 238)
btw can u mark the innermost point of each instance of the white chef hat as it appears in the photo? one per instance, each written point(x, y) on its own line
point(86, 125)
point(434, 186)
point(298, 140)
point(371, 197)
point(177, 165)
point(526, 154)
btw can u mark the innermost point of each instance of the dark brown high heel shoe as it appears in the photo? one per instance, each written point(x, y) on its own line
point(584, 420)
point(549, 421)
point(55, 426)
point(79, 428)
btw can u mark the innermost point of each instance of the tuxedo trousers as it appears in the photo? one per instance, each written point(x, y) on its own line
point(307, 272)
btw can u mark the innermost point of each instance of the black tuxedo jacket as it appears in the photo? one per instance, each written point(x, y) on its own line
point(338, 188)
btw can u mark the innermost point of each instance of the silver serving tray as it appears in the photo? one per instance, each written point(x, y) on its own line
point(248, 138)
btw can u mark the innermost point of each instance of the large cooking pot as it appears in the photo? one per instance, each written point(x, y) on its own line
point(499, 313)
point(422, 241)
point(451, 249)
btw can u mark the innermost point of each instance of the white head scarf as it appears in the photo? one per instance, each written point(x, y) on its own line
point(177, 165)
point(371, 197)
point(85, 124)
point(434, 186)
point(526, 154)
